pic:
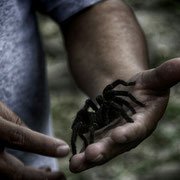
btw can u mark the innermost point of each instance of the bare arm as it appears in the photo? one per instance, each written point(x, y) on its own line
point(105, 43)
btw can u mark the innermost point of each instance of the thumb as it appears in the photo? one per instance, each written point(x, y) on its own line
point(163, 77)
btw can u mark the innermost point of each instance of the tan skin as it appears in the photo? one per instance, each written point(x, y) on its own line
point(16, 135)
point(108, 44)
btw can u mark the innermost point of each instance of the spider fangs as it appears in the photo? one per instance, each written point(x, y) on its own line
point(110, 108)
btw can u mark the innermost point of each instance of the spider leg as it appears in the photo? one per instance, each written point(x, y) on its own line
point(92, 130)
point(93, 126)
point(102, 115)
point(122, 111)
point(125, 93)
point(116, 83)
point(74, 138)
point(90, 103)
point(125, 116)
point(84, 140)
point(102, 118)
point(105, 117)
point(120, 101)
point(81, 113)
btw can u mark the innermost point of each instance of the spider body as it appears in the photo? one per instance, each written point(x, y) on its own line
point(110, 108)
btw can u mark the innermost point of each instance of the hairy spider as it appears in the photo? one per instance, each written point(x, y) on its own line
point(110, 108)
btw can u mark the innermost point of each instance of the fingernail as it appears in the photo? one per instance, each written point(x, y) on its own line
point(63, 150)
point(98, 158)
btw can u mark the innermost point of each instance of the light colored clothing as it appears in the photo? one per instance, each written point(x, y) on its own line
point(23, 85)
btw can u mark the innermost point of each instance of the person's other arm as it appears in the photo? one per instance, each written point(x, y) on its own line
point(15, 134)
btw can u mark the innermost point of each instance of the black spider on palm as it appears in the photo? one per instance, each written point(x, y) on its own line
point(110, 108)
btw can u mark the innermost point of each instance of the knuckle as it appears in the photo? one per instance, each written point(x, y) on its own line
point(18, 121)
point(16, 137)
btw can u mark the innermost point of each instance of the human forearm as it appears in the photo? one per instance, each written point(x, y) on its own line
point(104, 43)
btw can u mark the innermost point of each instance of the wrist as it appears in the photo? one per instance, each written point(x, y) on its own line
point(100, 81)
point(109, 46)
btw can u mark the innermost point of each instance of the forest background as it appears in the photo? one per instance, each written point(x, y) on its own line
point(158, 157)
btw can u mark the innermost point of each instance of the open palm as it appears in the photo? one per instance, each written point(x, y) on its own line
point(152, 88)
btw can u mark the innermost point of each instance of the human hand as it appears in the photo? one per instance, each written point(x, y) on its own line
point(14, 134)
point(152, 88)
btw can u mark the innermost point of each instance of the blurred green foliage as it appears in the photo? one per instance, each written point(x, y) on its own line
point(159, 156)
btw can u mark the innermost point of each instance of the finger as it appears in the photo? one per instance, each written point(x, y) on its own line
point(99, 153)
point(78, 163)
point(21, 138)
point(96, 154)
point(121, 139)
point(163, 77)
point(9, 166)
point(12, 168)
point(9, 115)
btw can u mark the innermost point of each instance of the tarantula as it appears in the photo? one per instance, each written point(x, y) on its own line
point(110, 108)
